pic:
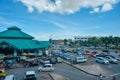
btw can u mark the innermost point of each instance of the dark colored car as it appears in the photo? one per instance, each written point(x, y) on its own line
point(53, 60)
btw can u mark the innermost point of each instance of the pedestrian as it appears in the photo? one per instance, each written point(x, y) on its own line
point(100, 77)
point(71, 61)
point(114, 78)
point(46, 53)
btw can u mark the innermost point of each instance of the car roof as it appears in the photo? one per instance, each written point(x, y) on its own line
point(100, 57)
point(49, 64)
point(30, 72)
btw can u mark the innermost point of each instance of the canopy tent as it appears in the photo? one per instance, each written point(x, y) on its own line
point(23, 57)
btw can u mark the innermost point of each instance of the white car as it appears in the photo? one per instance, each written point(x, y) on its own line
point(102, 60)
point(45, 61)
point(46, 67)
point(10, 77)
point(30, 75)
point(79, 59)
point(112, 60)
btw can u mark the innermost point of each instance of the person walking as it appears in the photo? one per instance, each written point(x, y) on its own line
point(100, 77)
point(114, 78)
point(71, 61)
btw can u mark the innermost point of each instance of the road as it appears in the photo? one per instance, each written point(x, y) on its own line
point(67, 71)
point(112, 69)
point(19, 73)
point(72, 73)
point(61, 68)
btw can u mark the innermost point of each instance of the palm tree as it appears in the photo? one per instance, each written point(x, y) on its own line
point(94, 41)
point(116, 41)
point(106, 41)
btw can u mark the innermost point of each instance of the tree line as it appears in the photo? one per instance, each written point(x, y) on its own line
point(106, 42)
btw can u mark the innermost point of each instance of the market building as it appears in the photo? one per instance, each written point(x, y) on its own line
point(14, 42)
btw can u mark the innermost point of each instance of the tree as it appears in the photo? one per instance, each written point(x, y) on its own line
point(116, 41)
point(50, 40)
point(65, 41)
point(94, 41)
point(105, 41)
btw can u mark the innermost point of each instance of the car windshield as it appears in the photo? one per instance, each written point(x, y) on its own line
point(33, 78)
point(47, 65)
point(31, 75)
point(80, 58)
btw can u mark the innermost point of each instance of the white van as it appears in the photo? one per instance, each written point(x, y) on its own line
point(10, 77)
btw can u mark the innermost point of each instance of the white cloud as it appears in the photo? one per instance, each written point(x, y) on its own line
point(30, 9)
point(69, 6)
point(57, 24)
point(106, 7)
point(60, 25)
point(96, 10)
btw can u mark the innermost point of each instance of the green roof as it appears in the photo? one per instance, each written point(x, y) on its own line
point(14, 33)
point(26, 44)
point(20, 40)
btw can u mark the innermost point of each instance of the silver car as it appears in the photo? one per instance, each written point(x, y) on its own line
point(112, 60)
point(102, 60)
point(79, 59)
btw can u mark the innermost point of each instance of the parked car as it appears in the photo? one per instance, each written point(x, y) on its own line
point(100, 55)
point(30, 62)
point(102, 60)
point(53, 60)
point(2, 64)
point(67, 56)
point(57, 53)
point(115, 57)
point(46, 67)
point(79, 59)
point(10, 77)
point(45, 61)
point(30, 75)
point(2, 73)
point(111, 59)
point(59, 60)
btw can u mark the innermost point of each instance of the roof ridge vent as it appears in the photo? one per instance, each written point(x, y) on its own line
point(13, 28)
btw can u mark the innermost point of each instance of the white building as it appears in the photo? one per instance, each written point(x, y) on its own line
point(83, 38)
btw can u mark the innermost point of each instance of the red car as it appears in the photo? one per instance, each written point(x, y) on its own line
point(2, 64)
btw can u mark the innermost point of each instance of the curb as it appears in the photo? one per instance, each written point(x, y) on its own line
point(51, 76)
point(63, 77)
point(83, 70)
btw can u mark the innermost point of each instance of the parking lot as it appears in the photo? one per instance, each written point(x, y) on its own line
point(20, 73)
point(85, 70)
point(91, 65)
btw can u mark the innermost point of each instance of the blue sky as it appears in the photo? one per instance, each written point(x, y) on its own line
point(59, 19)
